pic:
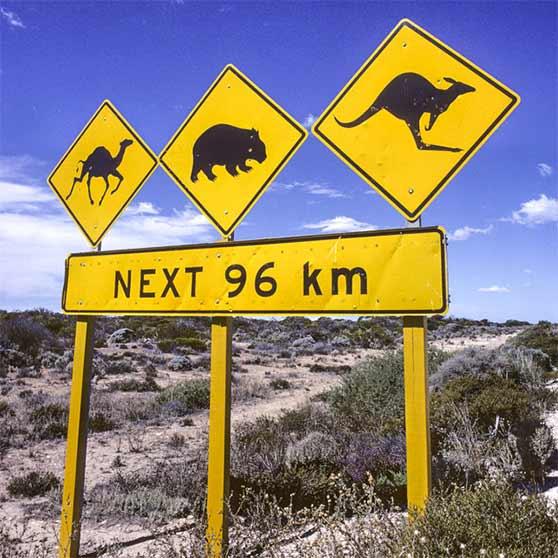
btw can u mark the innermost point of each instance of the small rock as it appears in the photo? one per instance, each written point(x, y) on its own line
point(123, 335)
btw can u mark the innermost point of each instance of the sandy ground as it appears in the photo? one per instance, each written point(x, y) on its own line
point(152, 440)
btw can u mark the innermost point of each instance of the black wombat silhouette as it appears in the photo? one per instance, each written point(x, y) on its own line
point(101, 164)
point(229, 146)
point(408, 96)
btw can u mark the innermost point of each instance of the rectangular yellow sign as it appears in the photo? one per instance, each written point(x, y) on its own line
point(390, 272)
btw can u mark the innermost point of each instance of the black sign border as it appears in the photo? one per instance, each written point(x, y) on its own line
point(413, 216)
point(266, 241)
point(136, 136)
point(259, 192)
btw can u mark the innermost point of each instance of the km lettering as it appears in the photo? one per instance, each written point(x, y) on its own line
point(311, 280)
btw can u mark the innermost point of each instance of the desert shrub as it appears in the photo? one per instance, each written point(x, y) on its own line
point(115, 367)
point(133, 384)
point(330, 368)
point(159, 492)
point(280, 384)
point(34, 483)
point(185, 397)
point(191, 343)
point(26, 334)
point(543, 336)
point(492, 519)
point(101, 422)
point(49, 421)
point(5, 408)
point(369, 333)
point(370, 397)
point(166, 345)
point(499, 409)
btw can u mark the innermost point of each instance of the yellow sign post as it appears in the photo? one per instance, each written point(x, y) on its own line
point(74, 470)
point(412, 116)
point(101, 172)
point(389, 272)
point(230, 148)
point(95, 179)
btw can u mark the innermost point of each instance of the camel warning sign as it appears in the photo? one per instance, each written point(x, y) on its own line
point(229, 149)
point(102, 171)
point(412, 116)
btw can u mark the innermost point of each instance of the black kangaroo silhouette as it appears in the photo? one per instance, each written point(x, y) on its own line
point(226, 145)
point(101, 164)
point(408, 96)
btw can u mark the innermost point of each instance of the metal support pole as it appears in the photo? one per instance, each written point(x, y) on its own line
point(219, 437)
point(76, 446)
point(417, 417)
point(417, 421)
point(74, 472)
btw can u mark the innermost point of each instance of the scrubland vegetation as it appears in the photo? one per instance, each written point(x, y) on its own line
point(326, 478)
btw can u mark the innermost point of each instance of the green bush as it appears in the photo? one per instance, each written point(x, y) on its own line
point(491, 518)
point(370, 397)
point(186, 397)
point(166, 345)
point(280, 384)
point(26, 334)
point(486, 398)
point(100, 422)
point(133, 384)
point(49, 421)
point(32, 484)
point(543, 336)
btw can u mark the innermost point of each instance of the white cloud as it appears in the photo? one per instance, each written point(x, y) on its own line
point(312, 188)
point(536, 212)
point(340, 224)
point(309, 121)
point(528, 271)
point(544, 169)
point(33, 247)
point(142, 208)
point(20, 168)
point(12, 194)
point(464, 233)
point(494, 289)
point(12, 18)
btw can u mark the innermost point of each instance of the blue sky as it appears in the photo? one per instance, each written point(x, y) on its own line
point(154, 61)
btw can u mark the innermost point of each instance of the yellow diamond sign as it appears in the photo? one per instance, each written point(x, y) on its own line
point(412, 116)
point(102, 171)
point(230, 148)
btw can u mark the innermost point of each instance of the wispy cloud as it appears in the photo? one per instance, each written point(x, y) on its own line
point(340, 224)
point(309, 120)
point(312, 188)
point(11, 18)
point(464, 233)
point(538, 211)
point(142, 208)
point(14, 194)
point(20, 168)
point(544, 169)
point(494, 289)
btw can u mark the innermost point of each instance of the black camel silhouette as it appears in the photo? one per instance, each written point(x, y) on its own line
point(408, 96)
point(101, 164)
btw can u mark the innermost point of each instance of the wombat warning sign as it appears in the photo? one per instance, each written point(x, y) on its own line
point(412, 116)
point(230, 148)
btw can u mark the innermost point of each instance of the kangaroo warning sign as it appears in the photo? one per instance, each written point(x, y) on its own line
point(102, 171)
point(229, 149)
point(412, 116)
point(392, 272)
